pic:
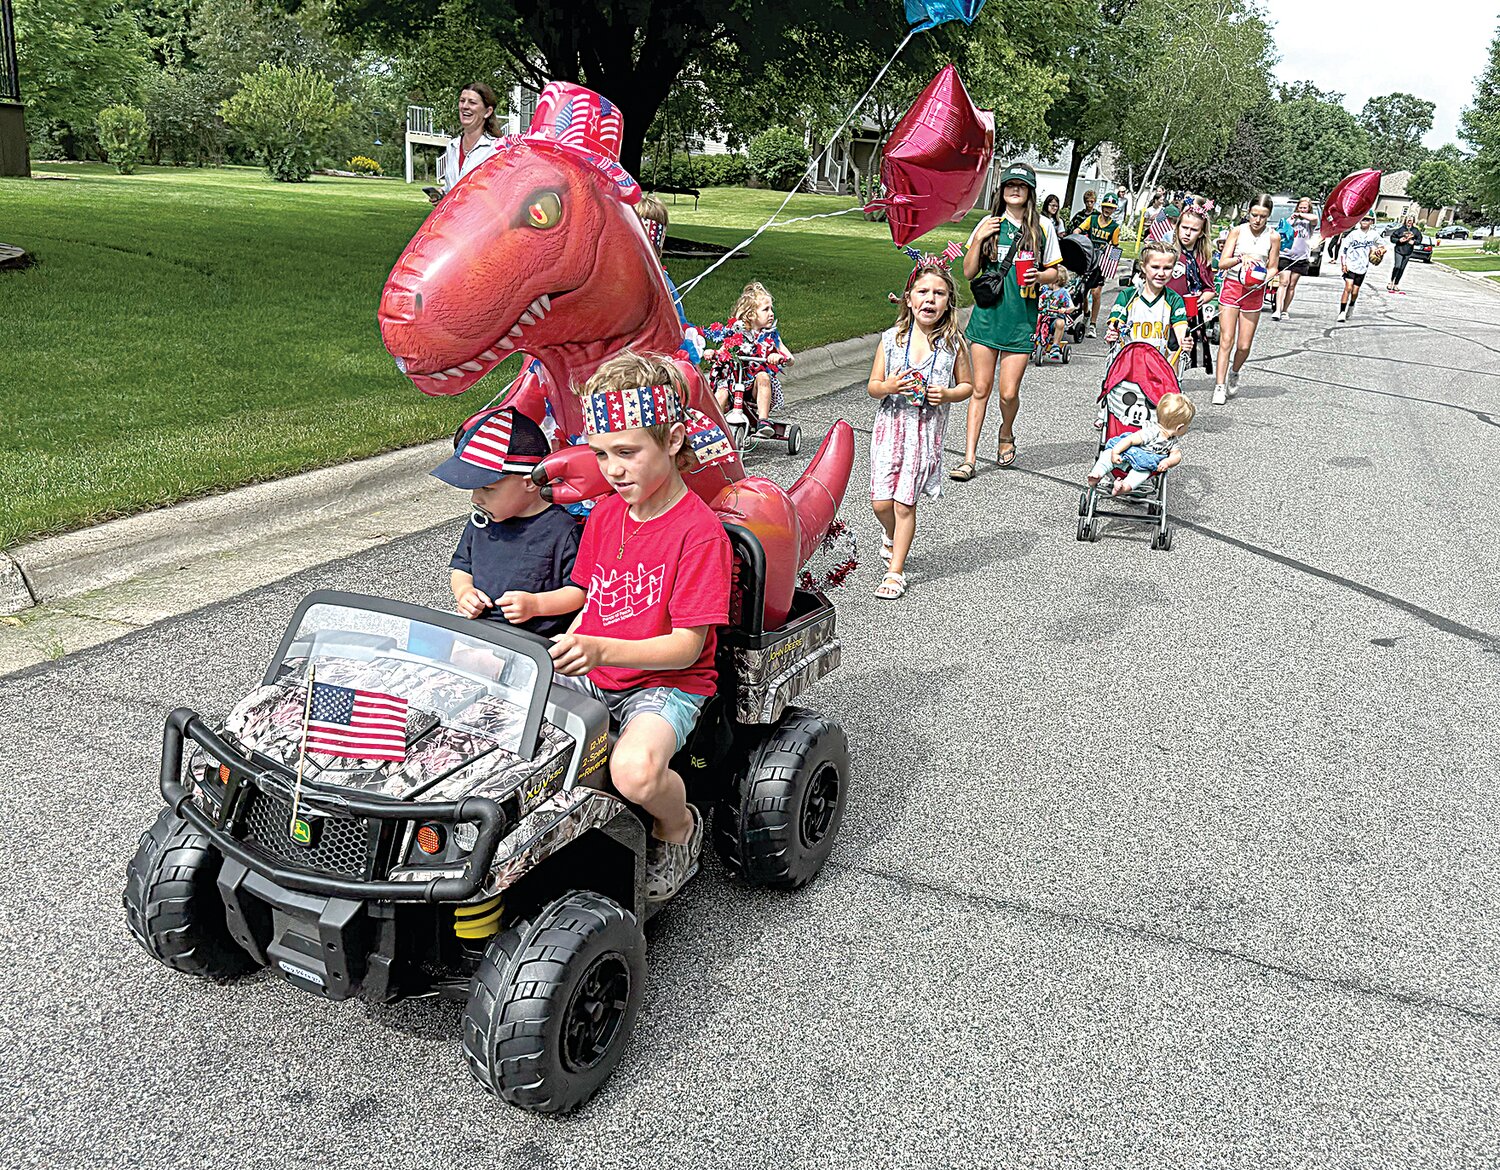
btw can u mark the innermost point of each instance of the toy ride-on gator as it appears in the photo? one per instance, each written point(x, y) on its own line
point(491, 863)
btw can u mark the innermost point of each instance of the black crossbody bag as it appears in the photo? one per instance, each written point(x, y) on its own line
point(988, 287)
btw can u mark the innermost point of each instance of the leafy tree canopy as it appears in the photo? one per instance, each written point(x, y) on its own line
point(1395, 123)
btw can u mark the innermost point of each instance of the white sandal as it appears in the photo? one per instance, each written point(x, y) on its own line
point(892, 587)
point(887, 549)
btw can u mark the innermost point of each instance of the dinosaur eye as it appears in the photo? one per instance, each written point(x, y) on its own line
point(544, 211)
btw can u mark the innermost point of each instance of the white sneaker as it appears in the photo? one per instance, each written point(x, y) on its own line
point(1276, 316)
point(1093, 332)
point(1219, 398)
point(1233, 383)
point(1343, 315)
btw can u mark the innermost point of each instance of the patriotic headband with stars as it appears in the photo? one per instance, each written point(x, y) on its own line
point(607, 411)
point(921, 260)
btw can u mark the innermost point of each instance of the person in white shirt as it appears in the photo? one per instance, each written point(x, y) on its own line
point(474, 143)
point(1361, 249)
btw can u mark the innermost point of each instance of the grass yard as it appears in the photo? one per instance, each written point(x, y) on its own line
point(188, 331)
point(1479, 262)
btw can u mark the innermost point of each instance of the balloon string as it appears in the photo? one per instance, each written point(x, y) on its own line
point(820, 215)
point(834, 137)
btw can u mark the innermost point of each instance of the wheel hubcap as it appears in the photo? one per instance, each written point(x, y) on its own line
point(596, 1012)
point(820, 806)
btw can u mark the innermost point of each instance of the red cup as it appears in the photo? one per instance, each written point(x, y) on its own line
point(1025, 262)
point(1192, 305)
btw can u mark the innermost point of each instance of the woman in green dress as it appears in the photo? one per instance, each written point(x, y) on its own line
point(1000, 337)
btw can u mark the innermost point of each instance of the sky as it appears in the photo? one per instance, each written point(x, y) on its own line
point(1384, 46)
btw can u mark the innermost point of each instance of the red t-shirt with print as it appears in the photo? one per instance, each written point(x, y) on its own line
point(674, 573)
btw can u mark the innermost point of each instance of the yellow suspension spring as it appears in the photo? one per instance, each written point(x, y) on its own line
point(479, 920)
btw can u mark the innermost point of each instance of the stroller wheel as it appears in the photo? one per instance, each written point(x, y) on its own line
point(793, 439)
point(1085, 527)
point(1162, 540)
point(1083, 503)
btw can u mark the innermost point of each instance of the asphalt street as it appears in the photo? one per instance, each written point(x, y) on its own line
point(1151, 859)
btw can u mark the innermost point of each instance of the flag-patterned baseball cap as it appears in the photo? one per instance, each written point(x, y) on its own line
point(497, 442)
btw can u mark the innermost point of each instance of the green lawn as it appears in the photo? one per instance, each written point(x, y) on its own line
point(188, 331)
point(1483, 262)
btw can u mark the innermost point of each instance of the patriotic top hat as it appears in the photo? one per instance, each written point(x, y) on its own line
point(584, 125)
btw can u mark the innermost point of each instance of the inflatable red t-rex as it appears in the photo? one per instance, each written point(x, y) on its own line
point(538, 250)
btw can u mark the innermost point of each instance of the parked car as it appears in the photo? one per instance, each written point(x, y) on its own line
point(1454, 231)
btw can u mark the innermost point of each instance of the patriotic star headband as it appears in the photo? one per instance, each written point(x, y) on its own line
point(608, 411)
point(923, 260)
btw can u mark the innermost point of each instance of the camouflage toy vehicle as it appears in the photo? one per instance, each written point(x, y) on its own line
point(492, 864)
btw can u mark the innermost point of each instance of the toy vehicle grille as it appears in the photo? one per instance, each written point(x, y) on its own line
point(340, 845)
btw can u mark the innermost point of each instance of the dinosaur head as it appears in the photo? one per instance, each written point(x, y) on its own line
point(537, 249)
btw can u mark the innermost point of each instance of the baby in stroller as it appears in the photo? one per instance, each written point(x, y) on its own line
point(750, 351)
point(1148, 450)
point(1055, 312)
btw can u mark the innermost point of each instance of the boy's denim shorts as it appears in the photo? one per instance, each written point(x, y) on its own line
point(678, 708)
point(1136, 458)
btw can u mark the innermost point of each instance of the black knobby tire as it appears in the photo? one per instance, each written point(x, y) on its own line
point(553, 1002)
point(778, 823)
point(172, 902)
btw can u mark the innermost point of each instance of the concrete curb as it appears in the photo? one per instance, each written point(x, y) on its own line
point(1472, 277)
point(107, 554)
point(89, 559)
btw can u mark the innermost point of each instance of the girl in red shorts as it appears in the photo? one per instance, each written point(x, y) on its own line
point(1250, 254)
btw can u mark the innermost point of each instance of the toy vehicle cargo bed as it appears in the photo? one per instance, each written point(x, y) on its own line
point(777, 666)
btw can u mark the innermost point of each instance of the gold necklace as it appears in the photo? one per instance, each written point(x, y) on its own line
point(625, 515)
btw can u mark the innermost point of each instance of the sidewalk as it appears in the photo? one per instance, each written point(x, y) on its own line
point(79, 589)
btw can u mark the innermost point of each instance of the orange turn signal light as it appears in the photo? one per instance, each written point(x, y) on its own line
point(223, 773)
point(429, 839)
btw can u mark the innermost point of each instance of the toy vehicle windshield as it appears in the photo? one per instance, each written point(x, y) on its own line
point(458, 671)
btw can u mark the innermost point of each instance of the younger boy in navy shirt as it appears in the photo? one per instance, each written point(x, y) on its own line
point(516, 546)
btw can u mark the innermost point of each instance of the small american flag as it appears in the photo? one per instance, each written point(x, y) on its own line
point(1109, 263)
point(359, 725)
point(1160, 229)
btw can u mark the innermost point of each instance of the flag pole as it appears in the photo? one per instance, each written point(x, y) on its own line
point(302, 754)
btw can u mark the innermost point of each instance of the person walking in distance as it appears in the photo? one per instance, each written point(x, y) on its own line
point(1251, 252)
point(1298, 227)
point(1403, 239)
point(1017, 247)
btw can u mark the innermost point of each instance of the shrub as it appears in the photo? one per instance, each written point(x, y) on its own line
point(123, 135)
point(778, 158)
point(180, 111)
point(1491, 244)
point(722, 170)
point(362, 165)
point(288, 116)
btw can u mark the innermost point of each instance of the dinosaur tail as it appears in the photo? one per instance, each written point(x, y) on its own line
point(818, 492)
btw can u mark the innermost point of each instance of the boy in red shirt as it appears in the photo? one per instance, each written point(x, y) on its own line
point(656, 566)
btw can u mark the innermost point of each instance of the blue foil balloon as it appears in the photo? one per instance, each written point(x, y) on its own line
point(927, 13)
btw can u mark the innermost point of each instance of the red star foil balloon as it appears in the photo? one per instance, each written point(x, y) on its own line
point(934, 165)
point(1353, 196)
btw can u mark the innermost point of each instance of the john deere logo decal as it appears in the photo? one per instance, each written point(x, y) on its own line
point(300, 831)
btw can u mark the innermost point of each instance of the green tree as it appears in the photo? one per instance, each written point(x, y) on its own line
point(75, 57)
point(634, 53)
point(1246, 165)
point(290, 116)
point(1395, 124)
point(181, 107)
point(123, 136)
point(448, 53)
point(1480, 127)
point(1433, 185)
point(778, 158)
point(1322, 141)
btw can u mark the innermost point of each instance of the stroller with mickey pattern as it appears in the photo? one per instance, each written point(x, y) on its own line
point(1137, 378)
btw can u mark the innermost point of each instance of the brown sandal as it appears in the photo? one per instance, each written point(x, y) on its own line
point(963, 472)
point(1001, 457)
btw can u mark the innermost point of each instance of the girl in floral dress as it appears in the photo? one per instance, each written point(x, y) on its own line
point(921, 366)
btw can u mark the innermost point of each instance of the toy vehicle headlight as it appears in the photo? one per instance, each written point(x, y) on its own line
point(466, 835)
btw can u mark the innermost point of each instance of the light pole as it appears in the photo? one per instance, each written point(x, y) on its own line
point(15, 160)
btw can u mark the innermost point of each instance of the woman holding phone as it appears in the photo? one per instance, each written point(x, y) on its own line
point(474, 143)
point(1016, 245)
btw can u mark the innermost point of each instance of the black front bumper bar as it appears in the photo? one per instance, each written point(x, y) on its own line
point(482, 811)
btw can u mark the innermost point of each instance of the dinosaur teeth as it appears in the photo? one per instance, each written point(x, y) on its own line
point(438, 377)
point(515, 331)
point(527, 319)
point(489, 355)
point(546, 302)
point(472, 367)
point(505, 343)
